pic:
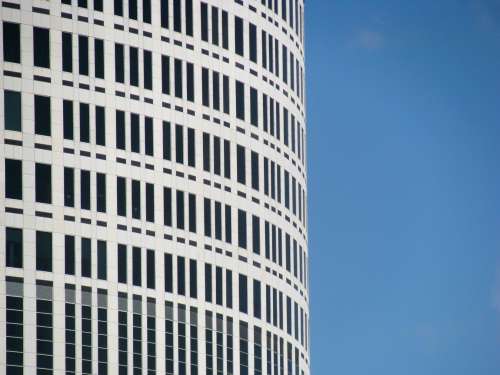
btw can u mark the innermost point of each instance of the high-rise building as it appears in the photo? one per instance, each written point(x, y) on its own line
point(153, 188)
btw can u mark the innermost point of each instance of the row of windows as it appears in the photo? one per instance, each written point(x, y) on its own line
point(291, 70)
point(218, 282)
point(137, 322)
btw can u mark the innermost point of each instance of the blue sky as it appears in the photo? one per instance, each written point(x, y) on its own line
point(404, 186)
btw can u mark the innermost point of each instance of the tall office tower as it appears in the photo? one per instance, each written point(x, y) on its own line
point(153, 188)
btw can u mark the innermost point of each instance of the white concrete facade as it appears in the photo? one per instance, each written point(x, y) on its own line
point(259, 242)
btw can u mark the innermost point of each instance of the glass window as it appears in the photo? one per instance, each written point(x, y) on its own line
point(243, 295)
point(217, 151)
point(229, 289)
point(181, 276)
point(99, 58)
point(67, 52)
point(208, 282)
point(43, 251)
point(83, 55)
point(121, 196)
point(207, 217)
point(238, 36)
point(216, 90)
point(118, 7)
point(148, 70)
point(164, 13)
point(227, 159)
point(42, 115)
point(132, 9)
point(136, 266)
point(205, 87)
point(41, 47)
point(225, 94)
point(218, 220)
point(148, 136)
point(206, 152)
point(69, 187)
point(192, 213)
point(84, 123)
point(135, 142)
point(215, 26)
point(86, 260)
point(190, 82)
point(191, 147)
point(122, 263)
point(177, 16)
point(240, 100)
point(218, 286)
point(14, 183)
point(69, 255)
point(204, 21)
point(255, 171)
point(189, 17)
point(85, 190)
point(225, 28)
point(168, 271)
point(146, 12)
point(136, 199)
point(14, 247)
point(120, 130)
point(242, 229)
point(178, 78)
point(150, 203)
point(253, 42)
point(167, 149)
point(150, 265)
point(100, 126)
point(98, 5)
point(43, 183)
point(165, 75)
point(101, 192)
point(228, 220)
point(240, 164)
point(256, 299)
point(134, 66)
point(167, 206)
point(180, 209)
point(12, 110)
point(179, 144)
point(68, 119)
point(11, 42)
point(254, 109)
point(101, 260)
point(193, 279)
point(119, 63)
point(256, 234)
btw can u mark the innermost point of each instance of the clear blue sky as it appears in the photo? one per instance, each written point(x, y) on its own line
point(404, 186)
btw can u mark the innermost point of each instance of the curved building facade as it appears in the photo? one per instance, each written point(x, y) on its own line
point(154, 188)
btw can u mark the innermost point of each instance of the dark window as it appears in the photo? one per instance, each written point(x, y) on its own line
point(205, 87)
point(132, 9)
point(218, 220)
point(146, 12)
point(193, 279)
point(148, 70)
point(191, 147)
point(14, 247)
point(99, 58)
point(44, 251)
point(177, 16)
point(101, 192)
point(256, 234)
point(253, 42)
point(120, 130)
point(150, 202)
point(204, 22)
point(240, 164)
point(225, 28)
point(165, 74)
point(84, 123)
point(118, 7)
point(136, 266)
point(256, 299)
point(122, 264)
point(229, 289)
point(242, 229)
point(68, 119)
point(100, 126)
point(218, 286)
point(41, 47)
point(208, 282)
point(85, 190)
point(69, 187)
point(150, 268)
point(254, 109)
point(178, 78)
point(136, 199)
point(207, 217)
point(14, 181)
point(225, 94)
point(227, 159)
point(180, 209)
point(134, 66)
point(255, 170)
point(190, 82)
point(67, 52)
point(215, 26)
point(43, 183)
point(11, 42)
point(86, 259)
point(238, 36)
point(69, 255)
point(167, 206)
point(216, 90)
point(179, 144)
point(102, 260)
point(98, 5)
point(135, 131)
point(206, 152)
point(12, 110)
point(181, 276)
point(119, 63)
point(189, 17)
point(167, 148)
point(83, 55)
point(148, 136)
point(164, 13)
point(228, 229)
point(121, 196)
point(167, 259)
point(217, 159)
point(192, 213)
point(243, 294)
point(42, 115)
point(240, 100)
